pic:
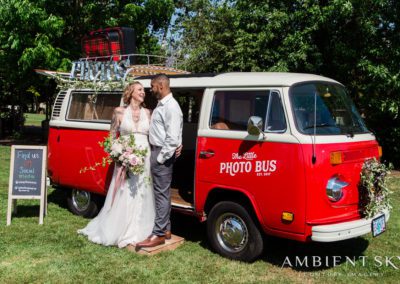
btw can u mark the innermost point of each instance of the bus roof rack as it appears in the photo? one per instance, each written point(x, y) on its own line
point(117, 68)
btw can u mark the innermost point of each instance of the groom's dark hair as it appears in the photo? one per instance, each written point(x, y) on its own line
point(161, 78)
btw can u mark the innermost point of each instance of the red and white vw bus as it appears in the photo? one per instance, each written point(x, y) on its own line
point(264, 153)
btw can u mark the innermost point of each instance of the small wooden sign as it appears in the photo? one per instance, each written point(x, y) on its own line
point(27, 177)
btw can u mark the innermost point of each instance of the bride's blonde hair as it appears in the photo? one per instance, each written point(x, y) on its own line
point(128, 91)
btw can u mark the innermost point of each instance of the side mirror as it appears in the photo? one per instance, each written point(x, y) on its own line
point(254, 126)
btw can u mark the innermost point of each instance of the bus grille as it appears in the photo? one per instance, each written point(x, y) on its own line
point(58, 103)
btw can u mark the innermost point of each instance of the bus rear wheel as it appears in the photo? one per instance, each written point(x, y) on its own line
point(82, 203)
point(233, 233)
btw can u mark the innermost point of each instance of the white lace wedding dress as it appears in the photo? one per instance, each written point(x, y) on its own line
point(130, 219)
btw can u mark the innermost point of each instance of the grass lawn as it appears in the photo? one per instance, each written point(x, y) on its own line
point(54, 253)
point(34, 119)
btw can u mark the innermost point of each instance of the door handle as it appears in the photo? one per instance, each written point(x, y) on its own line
point(206, 154)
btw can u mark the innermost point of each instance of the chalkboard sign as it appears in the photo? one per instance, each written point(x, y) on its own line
point(27, 177)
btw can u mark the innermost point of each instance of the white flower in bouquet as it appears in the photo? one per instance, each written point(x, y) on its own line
point(116, 149)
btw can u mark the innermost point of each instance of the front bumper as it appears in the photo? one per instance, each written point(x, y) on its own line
point(345, 230)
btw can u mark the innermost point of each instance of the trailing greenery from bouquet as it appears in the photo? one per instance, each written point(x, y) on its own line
point(106, 160)
point(374, 192)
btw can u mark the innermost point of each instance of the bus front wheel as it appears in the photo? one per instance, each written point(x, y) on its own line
point(233, 233)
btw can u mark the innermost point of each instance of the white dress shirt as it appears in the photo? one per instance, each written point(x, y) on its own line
point(166, 127)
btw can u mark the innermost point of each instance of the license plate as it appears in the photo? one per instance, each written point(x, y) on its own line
point(378, 225)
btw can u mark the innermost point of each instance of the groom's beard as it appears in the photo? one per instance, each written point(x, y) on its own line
point(157, 95)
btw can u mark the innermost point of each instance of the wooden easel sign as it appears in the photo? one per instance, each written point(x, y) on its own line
point(27, 177)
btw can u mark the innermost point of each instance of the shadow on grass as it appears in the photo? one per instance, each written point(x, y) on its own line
point(29, 135)
point(300, 256)
point(26, 211)
point(59, 197)
point(190, 228)
point(56, 196)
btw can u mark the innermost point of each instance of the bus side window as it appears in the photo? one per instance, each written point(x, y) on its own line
point(231, 110)
point(87, 106)
point(275, 121)
point(189, 101)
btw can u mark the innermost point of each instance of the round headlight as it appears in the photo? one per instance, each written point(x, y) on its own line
point(334, 188)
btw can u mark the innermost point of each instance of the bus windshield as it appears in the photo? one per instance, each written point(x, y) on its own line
point(327, 105)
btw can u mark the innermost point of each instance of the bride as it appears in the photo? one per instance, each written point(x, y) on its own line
point(130, 217)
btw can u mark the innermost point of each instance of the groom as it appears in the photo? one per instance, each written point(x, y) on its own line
point(165, 136)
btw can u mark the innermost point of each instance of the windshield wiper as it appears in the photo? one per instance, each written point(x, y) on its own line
point(350, 132)
point(320, 126)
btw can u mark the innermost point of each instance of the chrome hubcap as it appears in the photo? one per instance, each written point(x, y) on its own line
point(232, 233)
point(80, 199)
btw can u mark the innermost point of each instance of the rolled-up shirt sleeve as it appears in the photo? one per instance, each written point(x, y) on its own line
point(173, 131)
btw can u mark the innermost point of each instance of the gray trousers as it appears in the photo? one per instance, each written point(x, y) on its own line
point(162, 177)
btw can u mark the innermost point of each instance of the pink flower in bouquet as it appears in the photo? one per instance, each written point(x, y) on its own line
point(133, 160)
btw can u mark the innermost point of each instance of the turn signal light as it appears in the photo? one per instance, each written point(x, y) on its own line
point(380, 151)
point(336, 158)
point(287, 216)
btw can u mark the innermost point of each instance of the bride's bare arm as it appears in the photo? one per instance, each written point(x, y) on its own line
point(116, 121)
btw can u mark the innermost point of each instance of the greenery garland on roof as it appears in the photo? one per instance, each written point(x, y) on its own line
point(63, 84)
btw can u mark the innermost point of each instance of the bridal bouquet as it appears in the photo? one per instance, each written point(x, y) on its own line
point(124, 152)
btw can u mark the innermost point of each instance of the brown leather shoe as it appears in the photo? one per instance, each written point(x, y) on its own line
point(144, 241)
point(167, 235)
point(152, 241)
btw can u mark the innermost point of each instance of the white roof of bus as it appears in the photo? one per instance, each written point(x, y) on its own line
point(241, 79)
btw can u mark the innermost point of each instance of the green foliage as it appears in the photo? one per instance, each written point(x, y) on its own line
point(374, 190)
point(33, 91)
point(63, 84)
point(12, 121)
point(47, 34)
point(355, 42)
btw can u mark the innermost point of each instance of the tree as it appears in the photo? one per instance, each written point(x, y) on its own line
point(355, 42)
point(47, 34)
point(26, 40)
